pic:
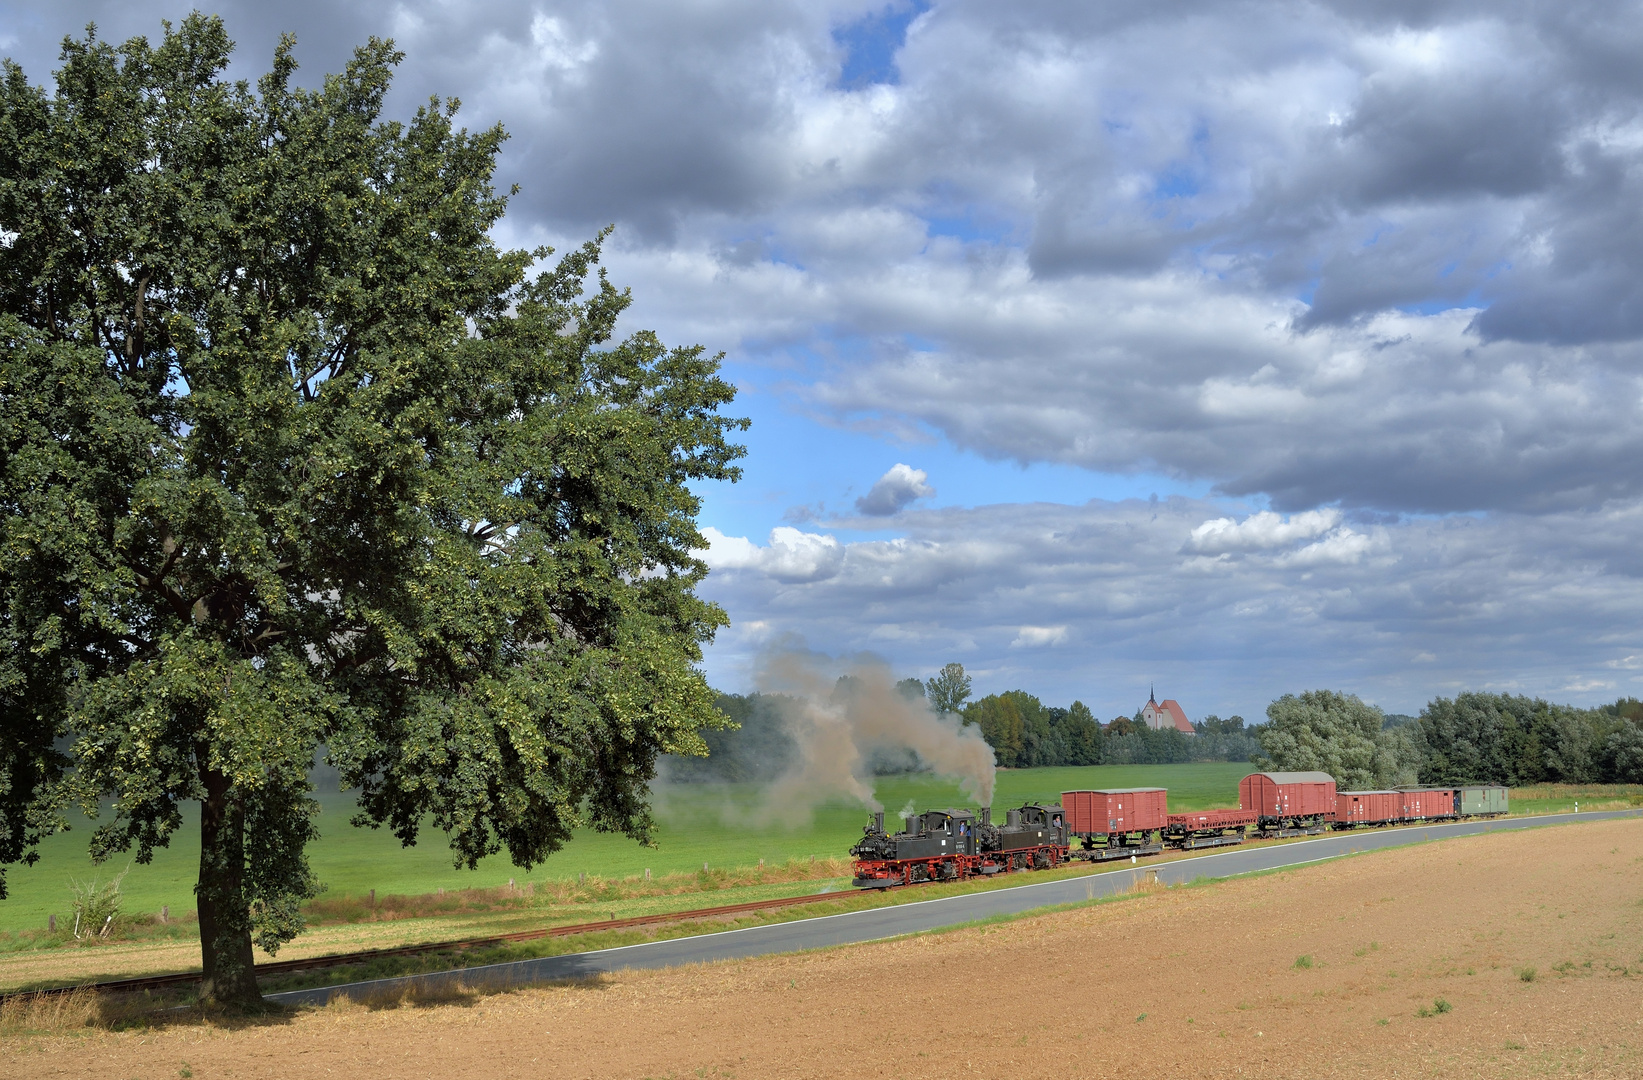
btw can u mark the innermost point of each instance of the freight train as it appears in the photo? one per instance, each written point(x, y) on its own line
point(952, 845)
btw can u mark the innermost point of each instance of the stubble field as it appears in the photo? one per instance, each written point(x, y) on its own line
point(1488, 956)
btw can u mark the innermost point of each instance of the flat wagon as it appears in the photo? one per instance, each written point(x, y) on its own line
point(1207, 828)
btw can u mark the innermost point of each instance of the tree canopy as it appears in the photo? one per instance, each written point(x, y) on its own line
point(292, 454)
point(1338, 734)
point(949, 689)
point(1513, 739)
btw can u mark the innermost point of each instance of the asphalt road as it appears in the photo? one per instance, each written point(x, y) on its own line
point(911, 918)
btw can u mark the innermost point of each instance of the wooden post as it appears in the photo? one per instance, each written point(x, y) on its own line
point(704, 868)
point(51, 923)
point(582, 878)
point(373, 898)
point(647, 873)
point(165, 912)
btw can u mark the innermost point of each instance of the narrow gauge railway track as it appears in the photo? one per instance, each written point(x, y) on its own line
point(316, 963)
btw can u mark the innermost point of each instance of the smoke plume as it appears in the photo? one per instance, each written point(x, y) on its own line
point(840, 724)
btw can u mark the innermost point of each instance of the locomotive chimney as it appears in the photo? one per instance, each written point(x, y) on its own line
point(1012, 819)
point(986, 815)
point(912, 824)
point(878, 821)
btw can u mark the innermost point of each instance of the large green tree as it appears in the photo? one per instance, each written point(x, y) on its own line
point(292, 455)
point(948, 689)
point(1339, 734)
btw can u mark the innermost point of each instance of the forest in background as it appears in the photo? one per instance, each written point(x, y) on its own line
point(1470, 738)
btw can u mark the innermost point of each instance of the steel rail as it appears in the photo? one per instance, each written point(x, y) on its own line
point(316, 963)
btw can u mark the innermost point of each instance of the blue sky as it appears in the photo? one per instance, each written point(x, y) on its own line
point(803, 467)
point(1242, 347)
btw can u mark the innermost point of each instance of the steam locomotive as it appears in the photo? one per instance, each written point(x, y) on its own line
point(951, 845)
point(948, 845)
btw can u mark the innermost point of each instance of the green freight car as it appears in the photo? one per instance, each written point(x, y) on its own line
point(1481, 800)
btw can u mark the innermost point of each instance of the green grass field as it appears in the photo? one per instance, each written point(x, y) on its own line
point(722, 825)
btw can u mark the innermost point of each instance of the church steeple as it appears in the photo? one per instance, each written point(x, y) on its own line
point(1152, 697)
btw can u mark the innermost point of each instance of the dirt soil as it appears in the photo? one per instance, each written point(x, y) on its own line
point(1322, 971)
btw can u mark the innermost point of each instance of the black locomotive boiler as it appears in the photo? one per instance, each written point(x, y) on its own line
point(950, 845)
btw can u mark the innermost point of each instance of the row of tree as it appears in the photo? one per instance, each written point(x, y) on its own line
point(1026, 733)
point(1470, 738)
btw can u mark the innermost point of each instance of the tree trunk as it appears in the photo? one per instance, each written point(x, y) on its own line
point(225, 917)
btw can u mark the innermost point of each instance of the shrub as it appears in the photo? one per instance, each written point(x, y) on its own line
point(96, 906)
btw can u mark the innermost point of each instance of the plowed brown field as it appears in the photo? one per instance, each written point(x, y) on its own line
point(1193, 982)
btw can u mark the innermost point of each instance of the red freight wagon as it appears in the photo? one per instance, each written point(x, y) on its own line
point(1288, 796)
point(1368, 807)
point(1421, 803)
point(1104, 813)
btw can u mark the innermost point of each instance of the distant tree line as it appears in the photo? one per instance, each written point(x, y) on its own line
point(1470, 738)
point(1510, 739)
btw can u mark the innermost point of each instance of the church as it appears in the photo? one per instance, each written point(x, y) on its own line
point(1168, 713)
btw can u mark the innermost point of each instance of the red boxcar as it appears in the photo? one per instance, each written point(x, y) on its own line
point(1368, 807)
point(1102, 813)
point(1286, 796)
point(1421, 803)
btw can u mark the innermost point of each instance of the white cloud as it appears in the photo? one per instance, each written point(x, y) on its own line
point(792, 556)
point(900, 487)
point(1341, 546)
point(1258, 532)
point(1036, 637)
point(1541, 602)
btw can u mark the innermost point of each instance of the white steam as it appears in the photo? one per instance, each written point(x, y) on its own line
point(839, 725)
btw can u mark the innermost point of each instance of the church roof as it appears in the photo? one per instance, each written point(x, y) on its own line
point(1177, 714)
